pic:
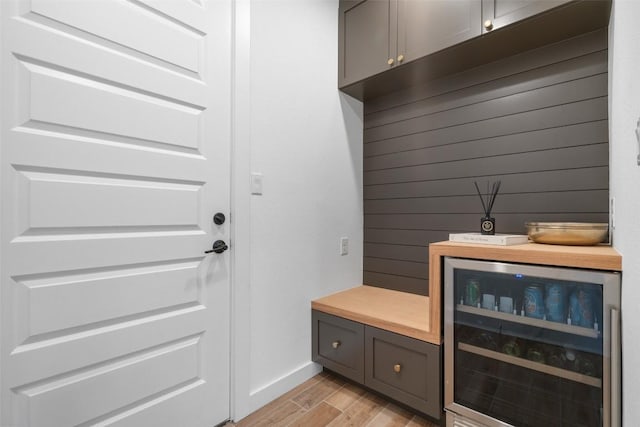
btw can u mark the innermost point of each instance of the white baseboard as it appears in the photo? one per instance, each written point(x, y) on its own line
point(265, 394)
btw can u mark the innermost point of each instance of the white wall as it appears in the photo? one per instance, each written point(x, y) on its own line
point(306, 139)
point(624, 100)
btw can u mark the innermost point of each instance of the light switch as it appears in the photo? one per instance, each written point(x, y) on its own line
point(344, 246)
point(256, 184)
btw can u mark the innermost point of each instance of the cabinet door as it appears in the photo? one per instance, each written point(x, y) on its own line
point(367, 34)
point(338, 344)
point(500, 13)
point(405, 369)
point(427, 26)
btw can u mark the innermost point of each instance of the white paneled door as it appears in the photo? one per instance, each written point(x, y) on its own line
point(114, 157)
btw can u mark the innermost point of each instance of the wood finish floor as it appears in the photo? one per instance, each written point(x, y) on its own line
point(328, 400)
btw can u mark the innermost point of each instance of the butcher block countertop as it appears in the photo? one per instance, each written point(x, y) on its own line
point(598, 257)
point(400, 312)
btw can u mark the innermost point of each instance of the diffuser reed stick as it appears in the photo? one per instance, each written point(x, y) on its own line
point(487, 223)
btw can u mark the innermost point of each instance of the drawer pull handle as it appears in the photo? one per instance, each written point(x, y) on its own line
point(335, 344)
point(397, 368)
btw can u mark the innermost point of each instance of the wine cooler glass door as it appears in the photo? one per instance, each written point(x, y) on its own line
point(528, 345)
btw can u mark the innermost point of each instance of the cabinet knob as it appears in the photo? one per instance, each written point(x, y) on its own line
point(488, 25)
point(400, 58)
point(390, 61)
point(335, 344)
point(397, 368)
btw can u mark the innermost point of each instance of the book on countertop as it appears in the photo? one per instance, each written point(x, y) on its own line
point(490, 239)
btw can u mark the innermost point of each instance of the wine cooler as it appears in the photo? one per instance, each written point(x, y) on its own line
point(529, 345)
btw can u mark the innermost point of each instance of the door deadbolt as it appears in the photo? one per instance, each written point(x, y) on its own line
point(219, 218)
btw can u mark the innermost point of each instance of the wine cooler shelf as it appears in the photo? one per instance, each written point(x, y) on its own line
point(540, 323)
point(529, 364)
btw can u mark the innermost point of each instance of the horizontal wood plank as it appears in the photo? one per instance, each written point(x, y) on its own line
point(399, 252)
point(564, 158)
point(404, 237)
point(530, 203)
point(396, 283)
point(412, 269)
point(505, 223)
point(592, 178)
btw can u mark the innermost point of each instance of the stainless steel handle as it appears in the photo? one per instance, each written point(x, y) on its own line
point(616, 350)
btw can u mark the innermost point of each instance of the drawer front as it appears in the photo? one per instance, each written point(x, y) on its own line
point(405, 369)
point(338, 344)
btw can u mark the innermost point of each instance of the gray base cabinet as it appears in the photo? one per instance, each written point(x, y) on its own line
point(337, 345)
point(402, 368)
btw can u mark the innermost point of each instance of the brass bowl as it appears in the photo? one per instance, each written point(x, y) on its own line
point(568, 233)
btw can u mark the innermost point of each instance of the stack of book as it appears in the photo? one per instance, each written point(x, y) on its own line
point(490, 239)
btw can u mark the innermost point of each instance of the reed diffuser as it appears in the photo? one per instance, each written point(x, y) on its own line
point(488, 223)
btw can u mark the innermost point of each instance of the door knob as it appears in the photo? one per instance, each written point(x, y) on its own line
point(219, 218)
point(219, 246)
point(488, 25)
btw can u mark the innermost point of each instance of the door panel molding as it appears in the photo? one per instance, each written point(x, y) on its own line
point(114, 156)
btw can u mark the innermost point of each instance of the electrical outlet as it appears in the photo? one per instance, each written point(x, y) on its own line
point(344, 246)
point(613, 213)
point(638, 139)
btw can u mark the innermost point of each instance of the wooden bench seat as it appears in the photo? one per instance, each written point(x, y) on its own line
point(400, 312)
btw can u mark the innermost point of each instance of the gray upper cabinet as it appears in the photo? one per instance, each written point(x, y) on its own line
point(366, 42)
point(500, 13)
point(376, 35)
point(387, 46)
point(427, 26)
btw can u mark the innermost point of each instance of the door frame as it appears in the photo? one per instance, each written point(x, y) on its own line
point(240, 262)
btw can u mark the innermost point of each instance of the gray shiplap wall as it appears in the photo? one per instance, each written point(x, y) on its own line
point(538, 121)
